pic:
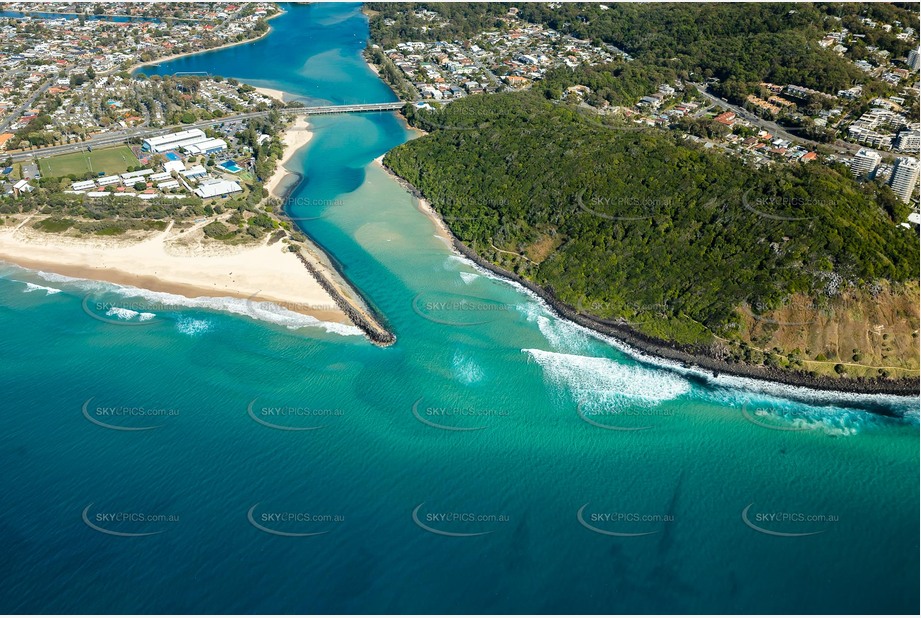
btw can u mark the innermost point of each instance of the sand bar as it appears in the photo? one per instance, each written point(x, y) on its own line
point(295, 137)
point(272, 93)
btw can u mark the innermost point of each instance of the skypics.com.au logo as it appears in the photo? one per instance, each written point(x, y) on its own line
point(127, 524)
point(292, 523)
point(456, 417)
point(128, 417)
point(788, 524)
point(625, 524)
point(458, 524)
point(293, 417)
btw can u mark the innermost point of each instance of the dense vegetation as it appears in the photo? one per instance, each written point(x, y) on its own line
point(747, 42)
point(628, 223)
point(243, 217)
point(622, 83)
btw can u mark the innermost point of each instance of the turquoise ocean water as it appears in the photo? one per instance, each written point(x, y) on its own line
point(496, 459)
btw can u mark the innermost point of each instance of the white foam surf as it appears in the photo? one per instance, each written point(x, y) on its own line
point(831, 420)
point(562, 335)
point(129, 314)
point(193, 326)
point(164, 301)
point(839, 423)
point(467, 370)
point(603, 381)
point(56, 278)
point(733, 388)
point(34, 287)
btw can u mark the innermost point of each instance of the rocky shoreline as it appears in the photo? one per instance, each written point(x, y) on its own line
point(371, 325)
point(375, 332)
point(688, 356)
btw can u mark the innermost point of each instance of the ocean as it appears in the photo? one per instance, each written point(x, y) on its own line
point(212, 456)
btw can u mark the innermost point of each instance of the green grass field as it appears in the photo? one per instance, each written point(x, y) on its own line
point(114, 160)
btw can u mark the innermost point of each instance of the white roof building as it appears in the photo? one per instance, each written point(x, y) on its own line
point(83, 185)
point(865, 162)
point(216, 187)
point(133, 176)
point(173, 166)
point(195, 171)
point(108, 180)
point(172, 141)
point(207, 146)
point(904, 177)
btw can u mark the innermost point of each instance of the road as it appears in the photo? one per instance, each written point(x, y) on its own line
point(345, 109)
point(16, 113)
point(772, 127)
point(122, 136)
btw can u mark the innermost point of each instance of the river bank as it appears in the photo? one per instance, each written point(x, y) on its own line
point(156, 61)
point(271, 93)
point(295, 137)
point(688, 356)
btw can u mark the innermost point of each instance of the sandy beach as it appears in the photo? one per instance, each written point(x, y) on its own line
point(182, 262)
point(296, 137)
point(272, 93)
point(177, 262)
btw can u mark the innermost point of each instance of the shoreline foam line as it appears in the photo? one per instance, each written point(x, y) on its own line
point(267, 311)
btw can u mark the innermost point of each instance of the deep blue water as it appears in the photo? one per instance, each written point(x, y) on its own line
point(376, 464)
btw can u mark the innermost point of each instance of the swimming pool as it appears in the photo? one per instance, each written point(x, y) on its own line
point(230, 166)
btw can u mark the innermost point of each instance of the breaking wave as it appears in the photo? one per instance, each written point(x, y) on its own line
point(467, 370)
point(193, 326)
point(596, 381)
point(164, 301)
point(34, 287)
point(127, 314)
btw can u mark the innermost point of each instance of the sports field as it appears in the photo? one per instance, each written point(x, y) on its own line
point(115, 160)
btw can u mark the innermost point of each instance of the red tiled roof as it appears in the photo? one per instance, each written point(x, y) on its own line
point(727, 118)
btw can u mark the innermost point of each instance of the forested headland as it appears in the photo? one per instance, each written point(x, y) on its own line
point(681, 243)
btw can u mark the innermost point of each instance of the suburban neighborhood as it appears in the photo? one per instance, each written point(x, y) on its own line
point(65, 79)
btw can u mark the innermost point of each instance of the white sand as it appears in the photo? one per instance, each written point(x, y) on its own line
point(296, 137)
point(179, 263)
point(272, 93)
